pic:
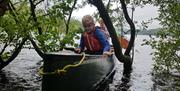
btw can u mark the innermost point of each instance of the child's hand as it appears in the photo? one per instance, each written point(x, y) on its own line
point(107, 53)
point(77, 50)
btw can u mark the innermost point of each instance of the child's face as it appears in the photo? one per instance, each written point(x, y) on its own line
point(89, 26)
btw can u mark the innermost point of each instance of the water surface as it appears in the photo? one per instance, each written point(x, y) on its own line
point(22, 73)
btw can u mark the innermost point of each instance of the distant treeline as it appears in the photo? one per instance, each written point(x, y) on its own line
point(144, 32)
point(148, 32)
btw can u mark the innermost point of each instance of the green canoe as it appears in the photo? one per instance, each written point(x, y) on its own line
point(76, 72)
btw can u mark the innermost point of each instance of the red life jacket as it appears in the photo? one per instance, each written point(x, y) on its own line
point(91, 42)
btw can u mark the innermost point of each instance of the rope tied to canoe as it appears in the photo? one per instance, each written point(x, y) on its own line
point(63, 70)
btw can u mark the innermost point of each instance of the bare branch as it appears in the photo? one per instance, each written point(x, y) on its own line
point(68, 21)
point(14, 55)
point(34, 15)
point(39, 2)
point(132, 26)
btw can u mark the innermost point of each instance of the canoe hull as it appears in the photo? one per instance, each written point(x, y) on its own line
point(85, 77)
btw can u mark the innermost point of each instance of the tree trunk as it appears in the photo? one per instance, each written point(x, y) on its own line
point(33, 7)
point(38, 50)
point(132, 28)
point(3, 6)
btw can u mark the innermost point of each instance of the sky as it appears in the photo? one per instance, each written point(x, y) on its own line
point(140, 14)
point(146, 13)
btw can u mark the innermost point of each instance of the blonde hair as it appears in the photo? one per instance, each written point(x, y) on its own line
point(86, 19)
point(101, 20)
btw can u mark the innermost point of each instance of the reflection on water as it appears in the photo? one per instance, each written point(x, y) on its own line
point(22, 73)
point(142, 68)
point(166, 82)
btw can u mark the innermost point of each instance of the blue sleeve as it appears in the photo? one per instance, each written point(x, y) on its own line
point(103, 40)
point(81, 46)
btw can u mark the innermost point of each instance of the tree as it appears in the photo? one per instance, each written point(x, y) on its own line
point(10, 36)
point(22, 20)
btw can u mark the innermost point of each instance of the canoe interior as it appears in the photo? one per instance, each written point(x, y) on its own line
point(85, 77)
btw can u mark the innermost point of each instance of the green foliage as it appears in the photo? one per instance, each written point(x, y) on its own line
point(13, 26)
point(167, 43)
point(54, 36)
point(6, 55)
point(19, 23)
point(54, 27)
point(8, 28)
point(74, 34)
point(14, 23)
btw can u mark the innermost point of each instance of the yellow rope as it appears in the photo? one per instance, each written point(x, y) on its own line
point(63, 70)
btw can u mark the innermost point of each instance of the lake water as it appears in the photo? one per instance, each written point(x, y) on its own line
point(141, 78)
point(22, 73)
